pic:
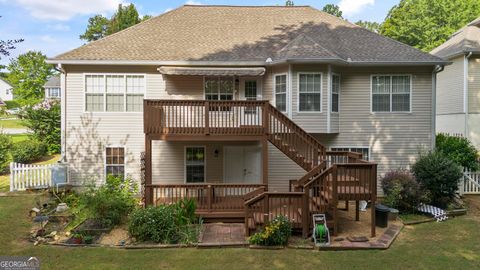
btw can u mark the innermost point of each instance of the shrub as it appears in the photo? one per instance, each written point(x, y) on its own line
point(111, 203)
point(276, 233)
point(5, 157)
point(458, 149)
point(44, 121)
point(28, 151)
point(439, 175)
point(12, 104)
point(402, 190)
point(165, 223)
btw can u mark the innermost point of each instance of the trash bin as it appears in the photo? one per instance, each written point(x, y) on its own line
point(381, 215)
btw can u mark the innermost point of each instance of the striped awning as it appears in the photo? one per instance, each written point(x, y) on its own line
point(212, 71)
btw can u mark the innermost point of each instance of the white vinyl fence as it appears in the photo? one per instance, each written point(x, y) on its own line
point(470, 183)
point(29, 176)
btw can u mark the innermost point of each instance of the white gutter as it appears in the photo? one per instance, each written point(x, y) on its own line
point(63, 111)
point(465, 89)
point(436, 70)
point(156, 63)
point(329, 96)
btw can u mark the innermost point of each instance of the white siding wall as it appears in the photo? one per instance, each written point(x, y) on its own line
point(450, 81)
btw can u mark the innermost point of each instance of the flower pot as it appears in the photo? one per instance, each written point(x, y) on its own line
point(77, 240)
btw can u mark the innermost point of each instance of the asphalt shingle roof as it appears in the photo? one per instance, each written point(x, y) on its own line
point(465, 40)
point(54, 81)
point(247, 33)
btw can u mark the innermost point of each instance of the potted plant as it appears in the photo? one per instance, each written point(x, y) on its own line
point(77, 239)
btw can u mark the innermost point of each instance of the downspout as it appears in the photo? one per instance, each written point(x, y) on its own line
point(436, 70)
point(290, 90)
point(63, 111)
point(465, 90)
point(329, 101)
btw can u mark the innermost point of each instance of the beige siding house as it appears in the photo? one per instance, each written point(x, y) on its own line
point(458, 87)
point(291, 93)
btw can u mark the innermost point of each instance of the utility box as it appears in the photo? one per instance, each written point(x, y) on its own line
point(59, 174)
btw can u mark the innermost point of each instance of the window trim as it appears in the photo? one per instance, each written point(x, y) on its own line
point(287, 91)
point(350, 147)
point(298, 92)
point(105, 74)
point(339, 91)
point(185, 163)
point(233, 81)
point(391, 112)
point(105, 159)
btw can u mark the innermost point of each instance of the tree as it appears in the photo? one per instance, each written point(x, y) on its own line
point(372, 26)
point(27, 74)
point(7, 45)
point(426, 24)
point(289, 3)
point(99, 26)
point(333, 10)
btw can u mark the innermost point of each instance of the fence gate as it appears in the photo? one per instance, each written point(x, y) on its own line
point(470, 182)
point(29, 176)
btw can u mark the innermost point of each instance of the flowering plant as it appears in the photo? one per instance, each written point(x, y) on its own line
point(276, 233)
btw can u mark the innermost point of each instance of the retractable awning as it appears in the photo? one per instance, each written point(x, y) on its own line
point(212, 71)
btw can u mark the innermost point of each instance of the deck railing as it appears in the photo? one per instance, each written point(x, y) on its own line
point(208, 197)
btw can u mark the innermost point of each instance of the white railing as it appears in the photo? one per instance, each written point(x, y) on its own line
point(470, 182)
point(29, 176)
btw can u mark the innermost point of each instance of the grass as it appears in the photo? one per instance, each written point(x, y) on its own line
point(5, 178)
point(18, 137)
point(413, 217)
point(12, 123)
point(446, 245)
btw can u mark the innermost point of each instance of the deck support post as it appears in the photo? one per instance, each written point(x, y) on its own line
point(148, 171)
point(374, 196)
point(265, 161)
point(305, 214)
point(357, 210)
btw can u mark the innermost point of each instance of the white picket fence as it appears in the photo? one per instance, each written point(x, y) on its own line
point(470, 183)
point(29, 176)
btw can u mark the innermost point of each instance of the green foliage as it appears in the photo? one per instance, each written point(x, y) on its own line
point(5, 157)
point(99, 27)
point(333, 10)
point(171, 223)
point(44, 121)
point(402, 191)
point(289, 3)
point(458, 149)
point(12, 104)
point(111, 203)
point(439, 175)
point(276, 233)
point(372, 26)
point(28, 151)
point(426, 24)
point(27, 74)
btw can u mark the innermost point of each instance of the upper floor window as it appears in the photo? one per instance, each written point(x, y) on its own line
point(365, 151)
point(335, 92)
point(309, 92)
point(391, 93)
point(114, 93)
point(280, 82)
point(53, 92)
point(219, 88)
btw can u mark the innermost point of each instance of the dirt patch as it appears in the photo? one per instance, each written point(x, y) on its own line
point(473, 204)
point(117, 236)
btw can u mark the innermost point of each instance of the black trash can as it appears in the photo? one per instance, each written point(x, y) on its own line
point(381, 215)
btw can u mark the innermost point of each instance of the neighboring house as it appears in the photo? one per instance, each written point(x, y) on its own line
point(458, 86)
point(6, 91)
point(244, 98)
point(52, 88)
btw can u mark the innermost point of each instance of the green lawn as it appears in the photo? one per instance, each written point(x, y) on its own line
point(18, 137)
point(5, 178)
point(449, 245)
point(13, 123)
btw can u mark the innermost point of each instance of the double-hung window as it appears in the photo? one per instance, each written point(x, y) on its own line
point(335, 92)
point(391, 93)
point(114, 93)
point(115, 161)
point(281, 92)
point(309, 92)
point(195, 164)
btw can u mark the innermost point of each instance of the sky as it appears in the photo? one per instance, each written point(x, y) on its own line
point(54, 26)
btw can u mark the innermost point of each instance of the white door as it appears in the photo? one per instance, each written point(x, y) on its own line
point(242, 164)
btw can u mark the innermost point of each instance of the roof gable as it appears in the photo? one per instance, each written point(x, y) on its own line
point(464, 40)
point(246, 33)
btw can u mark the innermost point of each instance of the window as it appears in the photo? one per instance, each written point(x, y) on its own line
point(195, 164)
point(114, 93)
point(281, 92)
point(362, 150)
point(53, 92)
point(115, 161)
point(309, 92)
point(391, 93)
point(335, 92)
point(219, 88)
